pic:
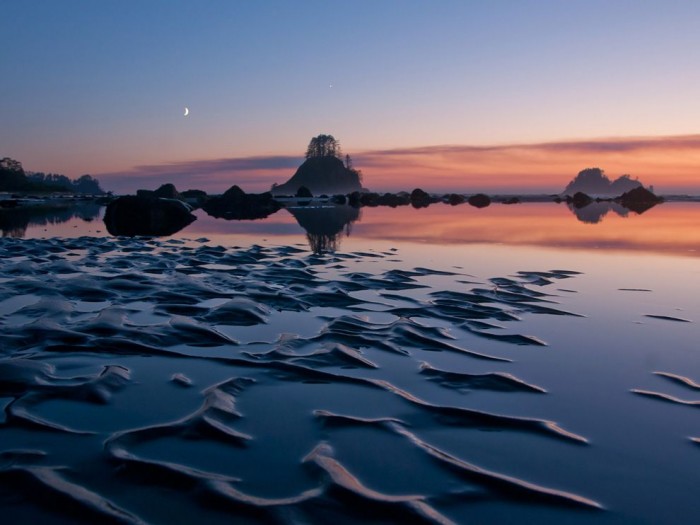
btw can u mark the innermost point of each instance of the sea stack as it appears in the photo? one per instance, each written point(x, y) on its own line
point(323, 172)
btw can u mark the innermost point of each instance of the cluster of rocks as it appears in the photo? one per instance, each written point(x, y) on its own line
point(236, 204)
point(593, 186)
point(418, 198)
point(637, 200)
point(165, 210)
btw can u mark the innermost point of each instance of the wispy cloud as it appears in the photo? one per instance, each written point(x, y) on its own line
point(575, 146)
point(545, 165)
point(209, 174)
point(672, 161)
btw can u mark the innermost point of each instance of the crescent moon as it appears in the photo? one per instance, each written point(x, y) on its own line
point(187, 111)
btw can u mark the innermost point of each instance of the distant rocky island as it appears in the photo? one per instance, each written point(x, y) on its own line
point(595, 183)
point(591, 194)
point(326, 178)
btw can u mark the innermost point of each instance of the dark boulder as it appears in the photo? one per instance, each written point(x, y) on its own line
point(304, 192)
point(236, 204)
point(194, 198)
point(454, 199)
point(339, 199)
point(420, 199)
point(479, 200)
point(370, 199)
point(639, 200)
point(135, 215)
point(167, 191)
point(579, 200)
point(354, 199)
point(394, 199)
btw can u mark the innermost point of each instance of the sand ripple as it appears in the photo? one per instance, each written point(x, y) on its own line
point(261, 383)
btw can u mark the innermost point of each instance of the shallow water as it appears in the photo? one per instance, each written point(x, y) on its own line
point(229, 373)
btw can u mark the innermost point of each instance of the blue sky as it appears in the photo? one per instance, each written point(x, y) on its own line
point(101, 86)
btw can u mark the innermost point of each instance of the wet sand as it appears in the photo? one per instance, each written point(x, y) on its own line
point(156, 381)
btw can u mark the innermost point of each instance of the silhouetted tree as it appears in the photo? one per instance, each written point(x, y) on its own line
point(87, 184)
point(12, 176)
point(323, 146)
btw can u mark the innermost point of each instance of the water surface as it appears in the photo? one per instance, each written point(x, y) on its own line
point(443, 365)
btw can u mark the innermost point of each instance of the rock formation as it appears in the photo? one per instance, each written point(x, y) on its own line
point(479, 200)
point(236, 204)
point(639, 200)
point(420, 198)
point(593, 181)
point(152, 216)
point(321, 175)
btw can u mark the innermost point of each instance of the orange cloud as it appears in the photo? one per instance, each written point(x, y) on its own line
point(671, 164)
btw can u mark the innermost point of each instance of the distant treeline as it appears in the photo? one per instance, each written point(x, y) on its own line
point(14, 178)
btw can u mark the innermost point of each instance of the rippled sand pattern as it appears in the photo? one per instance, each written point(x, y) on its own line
point(145, 381)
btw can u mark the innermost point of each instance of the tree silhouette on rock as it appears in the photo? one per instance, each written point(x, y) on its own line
point(323, 146)
point(323, 172)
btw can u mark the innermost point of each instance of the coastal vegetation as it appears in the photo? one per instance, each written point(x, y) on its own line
point(14, 178)
point(323, 171)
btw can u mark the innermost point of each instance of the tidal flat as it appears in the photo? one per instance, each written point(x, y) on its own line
point(401, 378)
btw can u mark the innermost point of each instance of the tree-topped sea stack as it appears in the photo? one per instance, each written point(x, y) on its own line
point(323, 172)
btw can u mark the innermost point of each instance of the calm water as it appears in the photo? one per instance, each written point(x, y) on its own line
point(448, 364)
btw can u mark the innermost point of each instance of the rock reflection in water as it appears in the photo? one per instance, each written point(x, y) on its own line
point(325, 225)
point(594, 212)
point(14, 222)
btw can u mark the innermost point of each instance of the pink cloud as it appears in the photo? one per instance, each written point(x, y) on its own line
point(674, 161)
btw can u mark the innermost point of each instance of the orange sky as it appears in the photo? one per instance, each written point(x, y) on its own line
point(671, 164)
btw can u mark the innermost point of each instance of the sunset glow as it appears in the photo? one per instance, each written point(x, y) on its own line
point(506, 96)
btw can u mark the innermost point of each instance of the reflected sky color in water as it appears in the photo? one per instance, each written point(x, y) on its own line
point(670, 228)
point(600, 367)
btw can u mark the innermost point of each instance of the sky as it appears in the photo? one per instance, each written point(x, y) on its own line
point(445, 95)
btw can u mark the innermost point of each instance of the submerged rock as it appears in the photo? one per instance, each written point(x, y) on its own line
point(420, 199)
point(137, 215)
point(479, 200)
point(453, 199)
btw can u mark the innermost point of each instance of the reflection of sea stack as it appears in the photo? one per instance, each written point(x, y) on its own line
point(324, 226)
point(593, 212)
point(323, 172)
